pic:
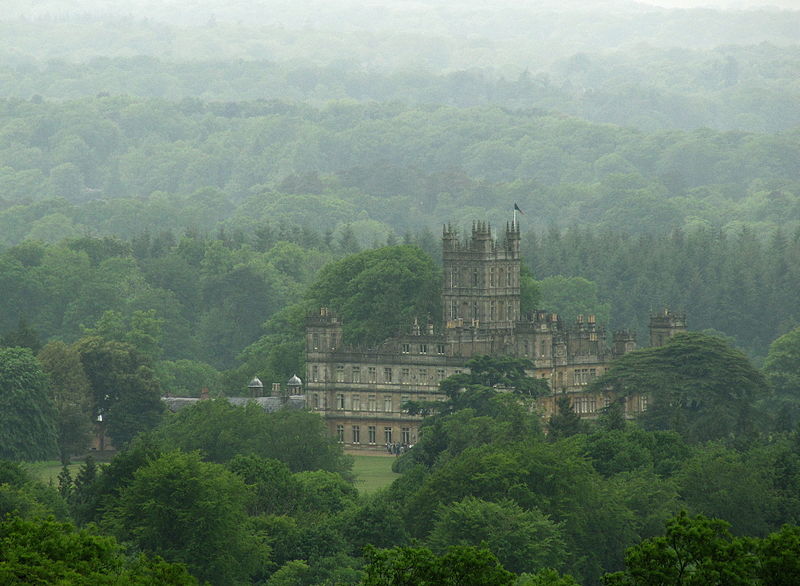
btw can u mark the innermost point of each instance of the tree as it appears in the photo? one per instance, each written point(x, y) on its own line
point(782, 369)
point(27, 416)
point(161, 509)
point(71, 396)
point(125, 391)
point(694, 550)
point(779, 557)
point(23, 337)
point(418, 566)
point(44, 551)
point(220, 431)
point(564, 422)
point(379, 292)
point(700, 386)
point(523, 540)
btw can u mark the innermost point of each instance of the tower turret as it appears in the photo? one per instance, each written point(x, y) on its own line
point(665, 324)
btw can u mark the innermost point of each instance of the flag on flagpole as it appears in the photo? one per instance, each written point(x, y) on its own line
point(516, 209)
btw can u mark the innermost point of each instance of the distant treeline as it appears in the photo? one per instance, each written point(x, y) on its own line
point(750, 88)
point(120, 165)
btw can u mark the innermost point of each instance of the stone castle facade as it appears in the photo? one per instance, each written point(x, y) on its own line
point(361, 393)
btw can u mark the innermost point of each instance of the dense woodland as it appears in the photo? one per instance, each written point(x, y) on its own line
point(181, 184)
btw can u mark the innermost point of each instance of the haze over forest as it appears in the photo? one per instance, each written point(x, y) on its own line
point(182, 182)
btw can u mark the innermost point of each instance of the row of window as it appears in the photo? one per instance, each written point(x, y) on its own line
point(583, 376)
point(353, 402)
point(406, 375)
point(457, 278)
point(503, 312)
point(421, 348)
point(333, 341)
point(388, 436)
point(588, 404)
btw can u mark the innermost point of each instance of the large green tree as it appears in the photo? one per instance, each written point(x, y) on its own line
point(694, 550)
point(71, 395)
point(782, 369)
point(27, 416)
point(125, 391)
point(221, 431)
point(699, 386)
point(418, 566)
point(44, 551)
point(192, 512)
point(379, 292)
point(523, 540)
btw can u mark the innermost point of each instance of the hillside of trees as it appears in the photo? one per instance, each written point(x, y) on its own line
point(181, 183)
point(484, 492)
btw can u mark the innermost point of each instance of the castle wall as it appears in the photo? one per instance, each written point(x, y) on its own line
point(361, 393)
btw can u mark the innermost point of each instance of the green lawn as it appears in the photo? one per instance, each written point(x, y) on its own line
point(47, 471)
point(373, 472)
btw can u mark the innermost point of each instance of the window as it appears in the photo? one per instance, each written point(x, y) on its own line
point(583, 376)
point(423, 348)
point(355, 403)
point(453, 309)
point(356, 374)
point(508, 278)
point(371, 432)
point(403, 400)
point(585, 404)
point(387, 435)
point(372, 403)
point(356, 434)
point(387, 403)
point(372, 372)
point(404, 376)
point(491, 276)
point(527, 348)
point(440, 348)
point(406, 348)
point(315, 373)
point(315, 341)
point(642, 402)
point(339, 373)
point(340, 434)
point(387, 375)
point(475, 277)
point(333, 341)
point(492, 310)
point(340, 401)
point(440, 374)
point(406, 435)
point(475, 312)
point(423, 374)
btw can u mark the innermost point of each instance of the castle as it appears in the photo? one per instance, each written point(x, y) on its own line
point(361, 393)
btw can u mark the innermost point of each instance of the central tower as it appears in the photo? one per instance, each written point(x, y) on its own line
point(481, 278)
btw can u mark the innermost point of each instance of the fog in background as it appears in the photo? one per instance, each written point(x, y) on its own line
point(427, 34)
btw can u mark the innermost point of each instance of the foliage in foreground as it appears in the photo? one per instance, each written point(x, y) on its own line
point(45, 551)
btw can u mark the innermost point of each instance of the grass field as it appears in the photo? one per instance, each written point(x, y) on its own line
point(373, 472)
point(47, 471)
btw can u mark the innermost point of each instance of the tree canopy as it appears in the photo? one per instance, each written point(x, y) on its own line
point(27, 413)
point(699, 385)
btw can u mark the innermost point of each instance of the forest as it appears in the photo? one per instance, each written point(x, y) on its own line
point(182, 183)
